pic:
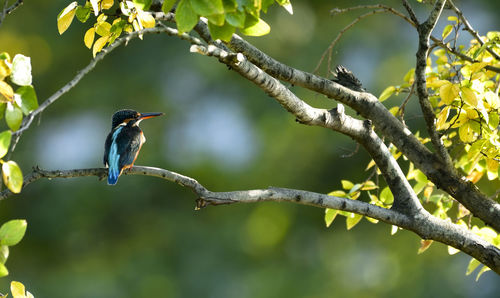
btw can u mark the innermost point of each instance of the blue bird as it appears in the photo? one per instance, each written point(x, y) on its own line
point(124, 142)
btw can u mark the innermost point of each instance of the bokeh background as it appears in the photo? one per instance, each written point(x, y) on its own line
point(142, 238)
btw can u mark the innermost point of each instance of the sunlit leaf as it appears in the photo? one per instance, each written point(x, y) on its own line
point(369, 185)
point(352, 220)
point(424, 245)
point(147, 20)
point(88, 39)
point(185, 16)
point(12, 176)
point(21, 70)
point(95, 6)
point(394, 229)
point(441, 118)
point(103, 28)
point(447, 30)
point(469, 96)
point(4, 253)
point(5, 138)
point(386, 93)
point(99, 44)
point(107, 4)
point(12, 232)
point(17, 289)
point(448, 92)
point(330, 215)
point(66, 16)
point(346, 184)
point(472, 266)
point(13, 116)
point(287, 5)
point(338, 193)
point(386, 196)
point(83, 12)
point(452, 250)
point(466, 133)
point(258, 29)
point(483, 270)
point(6, 91)
point(29, 101)
point(3, 270)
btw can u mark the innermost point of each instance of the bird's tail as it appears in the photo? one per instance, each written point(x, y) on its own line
point(113, 175)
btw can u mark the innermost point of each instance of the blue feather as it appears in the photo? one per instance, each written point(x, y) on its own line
point(114, 160)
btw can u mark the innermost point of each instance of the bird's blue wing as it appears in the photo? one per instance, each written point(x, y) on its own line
point(125, 144)
point(112, 156)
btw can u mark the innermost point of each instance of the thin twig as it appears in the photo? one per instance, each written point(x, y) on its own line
point(403, 105)
point(9, 9)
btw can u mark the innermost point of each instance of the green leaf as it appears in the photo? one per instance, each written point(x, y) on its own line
point(386, 93)
point(346, 184)
point(466, 133)
point(13, 116)
point(251, 19)
point(143, 4)
point(167, 5)
point(21, 70)
point(237, 18)
point(386, 196)
point(185, 16)
point(4, 253)
point(12, 232)
point(224, 32)
point(230, 5)
point(66, 16)
point(3, 270)
point(83, 12)
point(352, 220)
point(12, 177)
point(330, 215)
point(207, 7)
point(447, 30)
point(259, 29)
point(216, 19)
point(5, 138)
point(29, 101)
point(469, 96)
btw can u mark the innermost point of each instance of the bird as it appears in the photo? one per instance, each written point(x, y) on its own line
point(124, 142)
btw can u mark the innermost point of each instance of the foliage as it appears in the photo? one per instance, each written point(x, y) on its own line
point(465, 100)
point(223, 18)
point(11, 233)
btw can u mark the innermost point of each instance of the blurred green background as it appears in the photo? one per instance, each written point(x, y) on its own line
point(142, 238)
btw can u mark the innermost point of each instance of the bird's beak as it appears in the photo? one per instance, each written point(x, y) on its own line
point(149, 115)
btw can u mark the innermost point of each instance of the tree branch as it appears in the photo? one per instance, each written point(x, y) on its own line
point(424, 33)
point(9, 9)
point(423, 224)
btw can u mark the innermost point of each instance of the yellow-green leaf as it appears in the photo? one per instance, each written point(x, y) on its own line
point(3, 272)
point(88, 39)
point(17, 289)
point(424, 245)
point(447, 30)
point(448, 92)
point(12, 176)
point(386, 93)
point(386, 196)
point(466, 133)
point(337, 193)
point(185, 16)
point(441, 118)
point(66, 17)
point(13, 116)
point(12, 232)
point(5, 138)
point(452, 250)
point(106, 4)
point(472, 266)
point(352, 220)
point(492, 99)
point(167, 5)
point(6, 91)
point(103, 29)
point(99, 44)
point(469, 96)
point(258, 29)
point(369, 185)
point(346, 184)
point(483, 270)
point(330, 215)
point(147, 20)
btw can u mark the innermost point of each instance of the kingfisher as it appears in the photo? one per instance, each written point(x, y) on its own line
point(124, 142)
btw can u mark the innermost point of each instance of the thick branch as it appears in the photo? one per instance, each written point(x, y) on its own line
point(425, 225)
point(336, 120)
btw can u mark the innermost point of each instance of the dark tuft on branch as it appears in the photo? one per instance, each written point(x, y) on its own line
point(346, 78)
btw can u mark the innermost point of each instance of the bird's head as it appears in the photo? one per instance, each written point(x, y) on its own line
point(130, 117)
